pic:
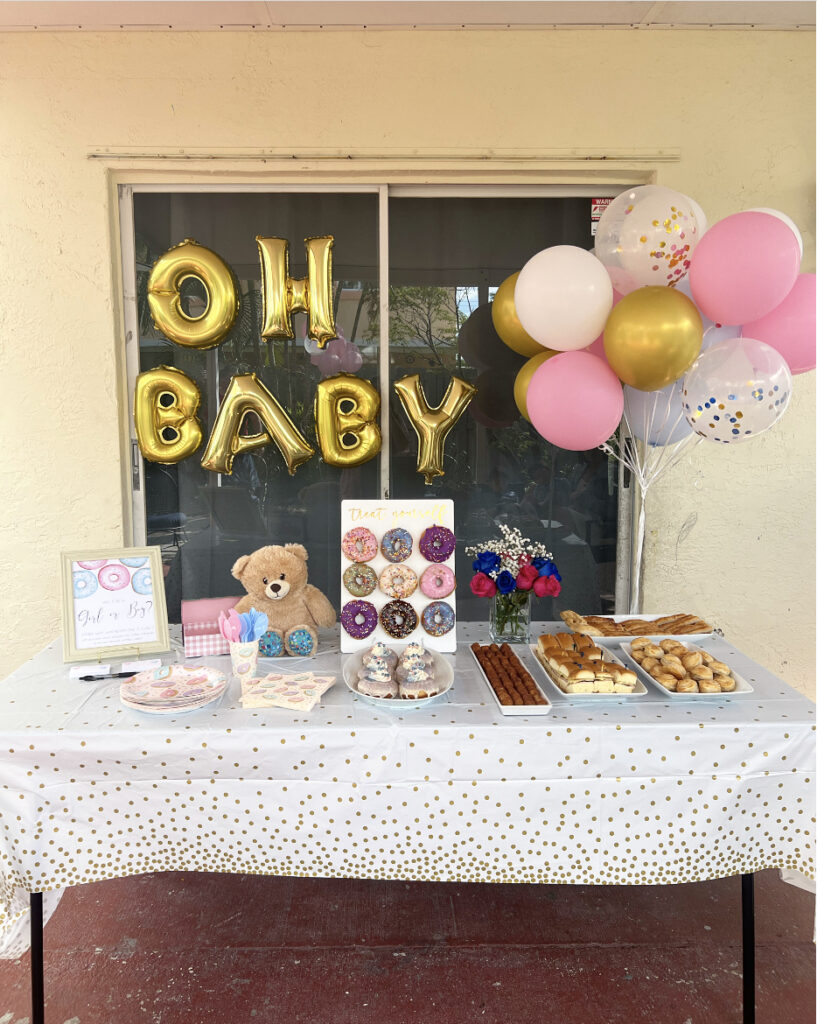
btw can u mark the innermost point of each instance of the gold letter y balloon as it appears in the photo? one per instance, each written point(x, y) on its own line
point(432, 424)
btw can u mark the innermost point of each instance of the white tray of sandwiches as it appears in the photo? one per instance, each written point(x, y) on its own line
point(581, 670)
point(682, 670)
point(604, 628)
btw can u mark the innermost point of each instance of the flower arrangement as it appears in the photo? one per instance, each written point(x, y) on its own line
point(509, 569)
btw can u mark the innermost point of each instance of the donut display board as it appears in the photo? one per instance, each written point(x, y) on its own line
point(397, 574)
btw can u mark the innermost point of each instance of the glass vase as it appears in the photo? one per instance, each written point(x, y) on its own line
point(509, 620)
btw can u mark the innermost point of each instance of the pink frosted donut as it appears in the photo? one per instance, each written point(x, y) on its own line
point(113, 576)
point(437, 581)
point(359, 544)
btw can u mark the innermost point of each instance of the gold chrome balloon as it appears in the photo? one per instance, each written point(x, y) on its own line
point(346, 410)
point(284, 295)
point(432, 424)
point(164, 413)
point(184, 261)
point(506, 322)
point(520, 385)
point(246, 394)
point(652, 337)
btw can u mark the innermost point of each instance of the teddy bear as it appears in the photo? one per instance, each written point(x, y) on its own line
point(275, 578)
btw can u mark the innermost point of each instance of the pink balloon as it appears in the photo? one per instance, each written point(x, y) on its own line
point(790, 328)
point(744, 267)
point(575, 401)
point(351, 360)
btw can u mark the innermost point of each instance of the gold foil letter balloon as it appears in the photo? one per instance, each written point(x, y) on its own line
point(246, 394)
point(183, 262)
point(284, 295)
point(346, 410)
point(506, 322)
point(164, 412)
point(432, 424)
point(652, 337)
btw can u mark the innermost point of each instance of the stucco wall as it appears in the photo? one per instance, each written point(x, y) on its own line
point(731, 533)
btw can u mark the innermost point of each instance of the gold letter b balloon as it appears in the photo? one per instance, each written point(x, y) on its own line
point(164, 413)
point(346, 409)
point(432, 425)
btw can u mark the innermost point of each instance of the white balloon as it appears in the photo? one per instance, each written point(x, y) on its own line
point(786, 220)
point(563, 297)
point(736, 390)
point(646, 236)
point(656, 417)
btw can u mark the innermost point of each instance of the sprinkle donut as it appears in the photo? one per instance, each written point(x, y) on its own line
point(360, 580)
point(437, 544)
point(114, 577)
point(359, 544)
point(437, 581)
point(398, 619)
point(142, 582)
point(396, 545)
point(398, 581)
point(359, 618)
point(84, 583)
point(438, 618)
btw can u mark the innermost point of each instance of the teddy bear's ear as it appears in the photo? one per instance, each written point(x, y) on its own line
point(240, 566)
point(298, 550)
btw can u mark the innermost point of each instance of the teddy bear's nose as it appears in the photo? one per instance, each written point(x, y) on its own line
point(275, 587)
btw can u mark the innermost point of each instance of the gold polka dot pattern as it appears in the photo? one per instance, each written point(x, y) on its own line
point(657, 793)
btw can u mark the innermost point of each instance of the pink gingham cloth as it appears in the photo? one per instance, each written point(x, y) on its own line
point(202, 637)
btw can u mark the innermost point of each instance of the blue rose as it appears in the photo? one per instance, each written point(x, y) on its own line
point(505, 583)
point(487, 562)
point(546, 567)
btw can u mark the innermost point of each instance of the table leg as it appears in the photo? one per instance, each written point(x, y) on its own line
point(37, 987)
point(748, 913)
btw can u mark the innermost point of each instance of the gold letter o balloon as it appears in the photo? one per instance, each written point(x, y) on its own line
point(506, 322)
point(652, 337)
point(179, 264)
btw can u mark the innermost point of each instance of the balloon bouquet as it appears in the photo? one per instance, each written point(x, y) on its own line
point(670, 331)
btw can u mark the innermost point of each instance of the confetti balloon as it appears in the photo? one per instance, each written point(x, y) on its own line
point(646, 236)
point(736, 390)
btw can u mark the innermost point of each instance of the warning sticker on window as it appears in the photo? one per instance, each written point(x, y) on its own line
point(597, 208)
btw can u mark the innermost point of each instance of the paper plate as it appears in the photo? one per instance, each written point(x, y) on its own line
point(173, 688)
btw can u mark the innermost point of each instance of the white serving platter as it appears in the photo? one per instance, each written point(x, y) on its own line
point(524, 710)
point(443, 673)
point(640, 689)
point(631, 636)
point(741, 685)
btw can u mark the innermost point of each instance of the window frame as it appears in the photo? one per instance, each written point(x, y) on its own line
point(133, 477)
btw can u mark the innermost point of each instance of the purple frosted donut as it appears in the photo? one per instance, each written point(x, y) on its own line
point(398, 619)
point(113, 576)
point(358, 618)
point(437, 544)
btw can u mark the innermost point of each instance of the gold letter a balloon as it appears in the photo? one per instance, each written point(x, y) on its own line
point(652, 337)
point(432, 425)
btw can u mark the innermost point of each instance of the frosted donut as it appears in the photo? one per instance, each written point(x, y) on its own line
point(438, 618)
point(93, 565)
point(396, 545)
point(133, 563)
point(358, 618)
point(84, 583)
point(114, 577)
point(141, 582)
point(398, 619)
point(437, 544)
point(360, 580)
point(437, 581)
point(359, 544)
point(398, 581)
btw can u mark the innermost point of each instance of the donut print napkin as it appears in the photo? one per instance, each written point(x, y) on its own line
point(299, 692)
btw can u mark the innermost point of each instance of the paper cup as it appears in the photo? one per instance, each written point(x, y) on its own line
point(244, 657)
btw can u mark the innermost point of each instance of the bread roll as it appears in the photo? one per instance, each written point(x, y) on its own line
point(639, 656)
point(701, 672)
point(708, 686)
point(648, 664)
point(653, 651)
point(674, 666)
point(692, 659)
point(726, 683)
point(638, 642)
point(687, 686)
point(667, 680)
point(720, 667)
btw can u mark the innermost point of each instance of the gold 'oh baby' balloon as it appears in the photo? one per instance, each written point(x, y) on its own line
point(652, 337)
point(506, 321)
point(247, 394)
point(346, 410)
point(432, 424)
point(190, 261)
point(164, 413)
point(284, 295)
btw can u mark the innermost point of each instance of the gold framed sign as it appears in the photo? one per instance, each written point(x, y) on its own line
point(113, 603)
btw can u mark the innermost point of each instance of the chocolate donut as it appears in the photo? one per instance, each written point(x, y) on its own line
point(398, 619)
point(437, 544)
point(352, 611)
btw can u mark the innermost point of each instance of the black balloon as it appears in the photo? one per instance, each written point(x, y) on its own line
point(494, 404)
point(480, 345)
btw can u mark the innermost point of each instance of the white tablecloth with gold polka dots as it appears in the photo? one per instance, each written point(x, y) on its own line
point(624, 791)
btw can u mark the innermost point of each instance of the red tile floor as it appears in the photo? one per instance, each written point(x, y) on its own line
point(236, 949)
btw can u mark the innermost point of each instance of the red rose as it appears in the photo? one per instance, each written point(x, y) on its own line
point(547, 586)
point(527, 577)
point(482, 585)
